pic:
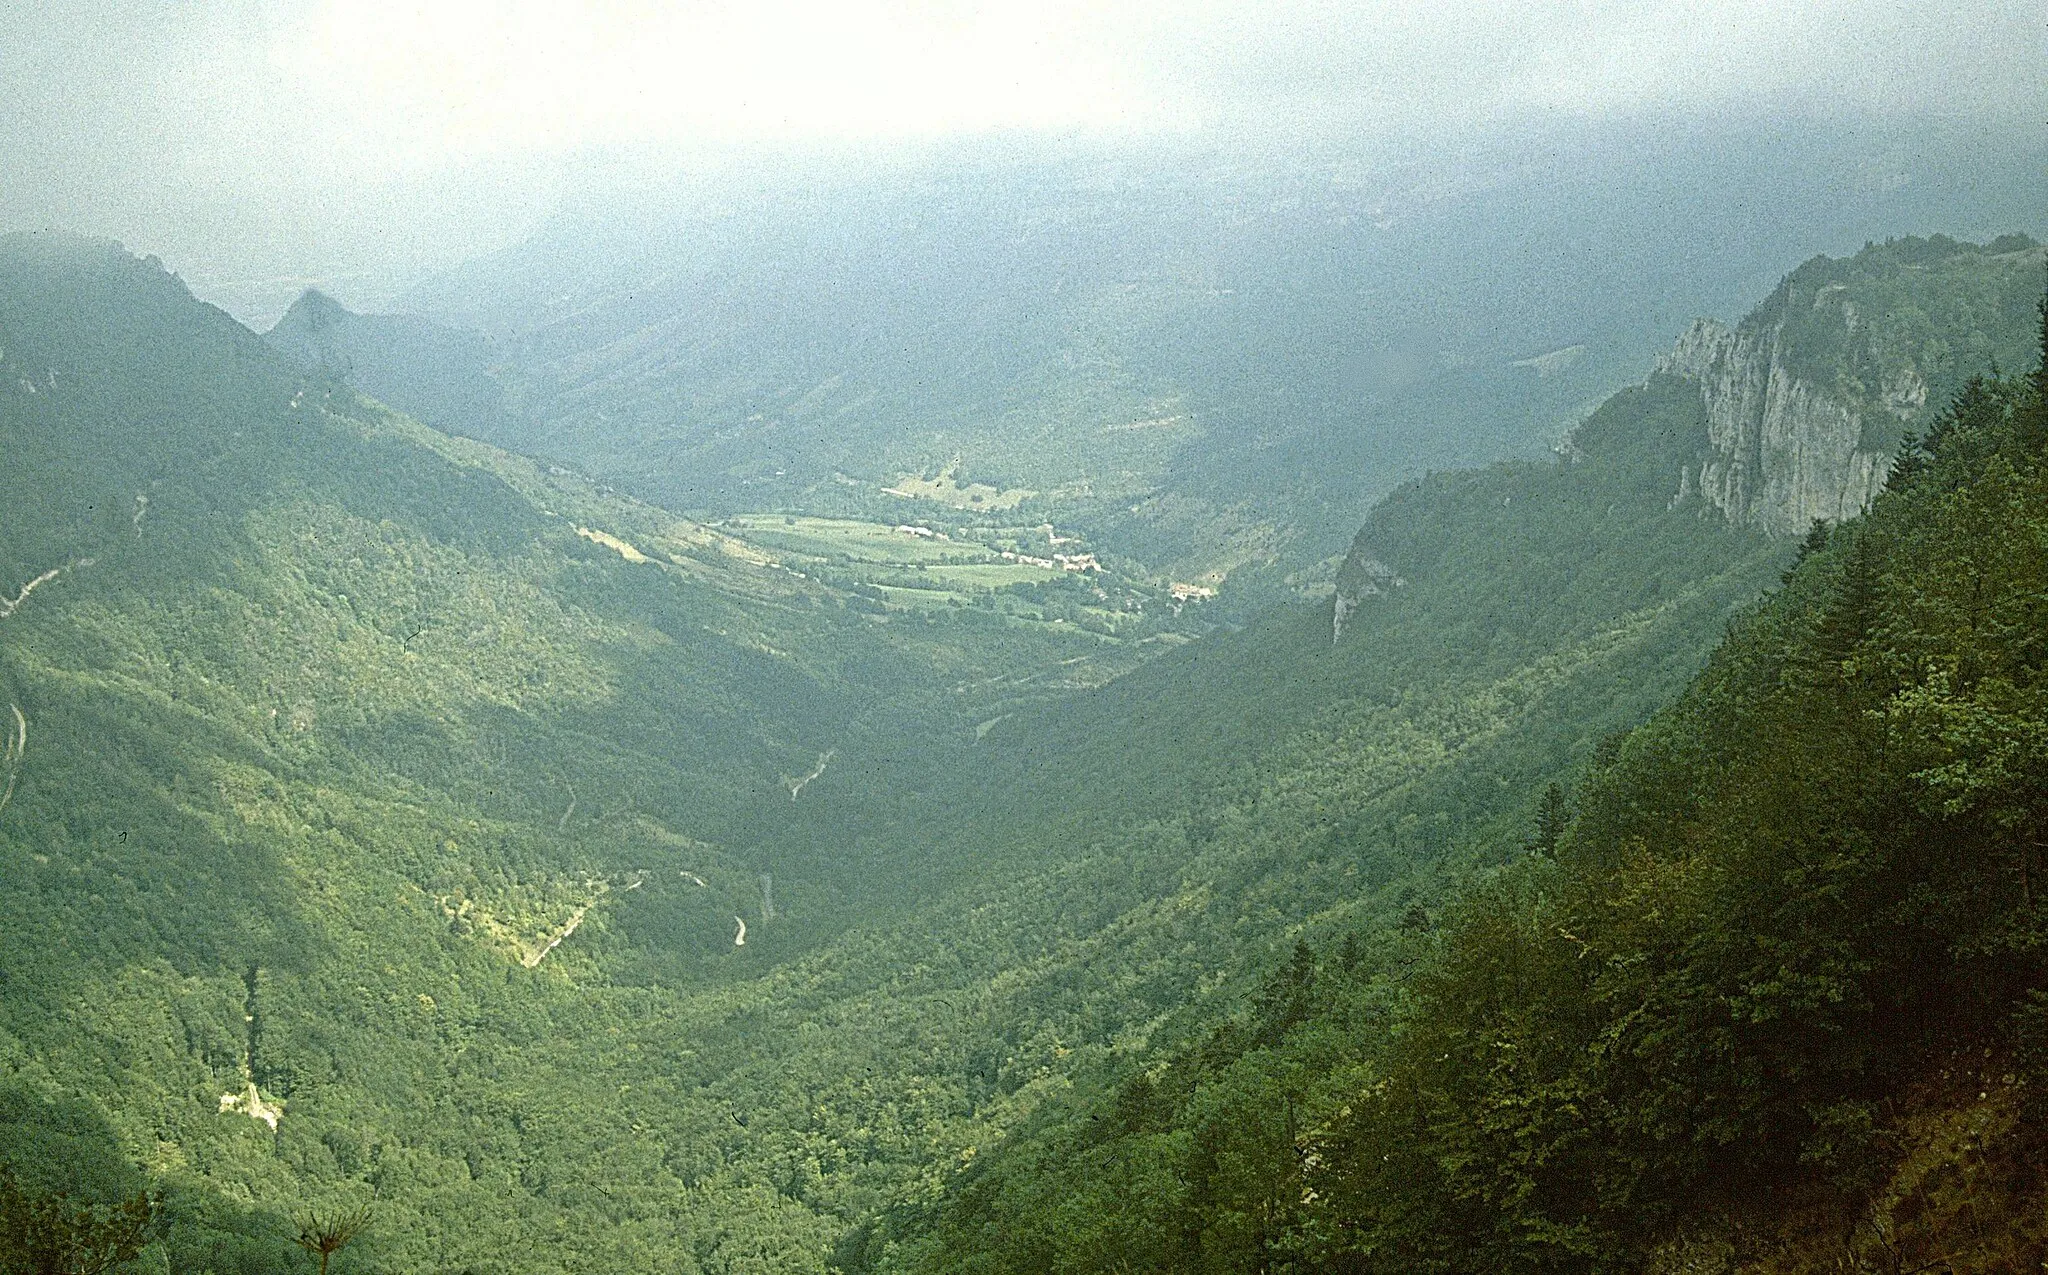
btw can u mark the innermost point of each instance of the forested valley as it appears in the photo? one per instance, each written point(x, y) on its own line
point(427, 858)
point(1761, 990)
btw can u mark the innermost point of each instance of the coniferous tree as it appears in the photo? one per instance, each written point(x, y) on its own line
point(1817, 534)
point(2041, 366)
point(1553, 815)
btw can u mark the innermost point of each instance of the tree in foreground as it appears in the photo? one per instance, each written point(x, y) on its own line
point(327, 1234)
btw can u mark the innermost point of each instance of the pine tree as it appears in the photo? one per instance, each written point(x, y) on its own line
point(1817, 534)
point(2032, 414)
point(2041, 365)
point(1552, 817)
point(1289, 995)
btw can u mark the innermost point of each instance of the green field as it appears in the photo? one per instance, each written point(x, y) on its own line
point(959, 561)
point(992, 575)
point(947, 490)
point(828, 538)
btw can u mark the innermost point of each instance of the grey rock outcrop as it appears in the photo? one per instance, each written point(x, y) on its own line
point(1807, 400)
point(1360, 578)
point(1782, 450)
point(1794, 414)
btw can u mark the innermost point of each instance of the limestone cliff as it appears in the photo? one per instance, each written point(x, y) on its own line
point(1807, 399)
point(1782, 451)
point(1791, 415)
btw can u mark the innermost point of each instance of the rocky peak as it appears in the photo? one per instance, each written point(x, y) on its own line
point(315, 333)
point(1802, 405)
point(312, 312)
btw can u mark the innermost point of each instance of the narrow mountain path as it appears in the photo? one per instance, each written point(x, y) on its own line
point(796, 786)
point(539, 954)
point(12, 752)
point(8, 606)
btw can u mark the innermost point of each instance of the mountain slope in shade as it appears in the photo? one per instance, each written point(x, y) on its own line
point(1503, 629)
point(440, 375)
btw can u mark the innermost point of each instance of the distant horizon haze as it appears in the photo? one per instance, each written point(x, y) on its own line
point(261, 145)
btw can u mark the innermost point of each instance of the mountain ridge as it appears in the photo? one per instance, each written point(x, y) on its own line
point(1784, 450)
point(1801, 405)
point(1237, 1142)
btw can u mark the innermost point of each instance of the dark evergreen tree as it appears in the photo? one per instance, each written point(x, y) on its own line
point(1553, 816)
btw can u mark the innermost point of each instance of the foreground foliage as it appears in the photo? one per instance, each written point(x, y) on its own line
point(1796, 916)
point(49, 1234)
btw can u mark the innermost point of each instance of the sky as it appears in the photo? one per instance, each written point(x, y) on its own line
point(256, 139)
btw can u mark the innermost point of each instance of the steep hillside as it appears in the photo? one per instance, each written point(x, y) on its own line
point(390, 810)
point(1591, 599)
point(1791, 416)
point(1772, 1002)
point(439, 375)
point(363, 785)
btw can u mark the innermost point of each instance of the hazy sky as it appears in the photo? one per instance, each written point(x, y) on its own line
point(287, 134)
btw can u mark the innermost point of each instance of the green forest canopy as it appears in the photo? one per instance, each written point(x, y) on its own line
point(338, 732)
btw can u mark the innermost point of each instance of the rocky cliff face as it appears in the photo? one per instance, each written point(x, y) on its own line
point(1803, 403)
point(1808, 398)
point(1362, 576)
point(1782, 450)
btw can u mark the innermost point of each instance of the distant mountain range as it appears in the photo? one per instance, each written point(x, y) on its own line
point(1211, 363)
